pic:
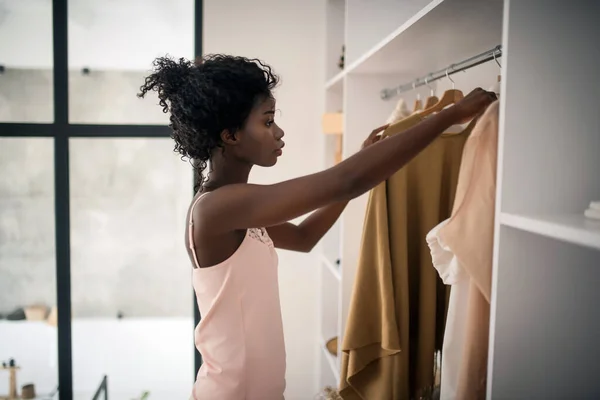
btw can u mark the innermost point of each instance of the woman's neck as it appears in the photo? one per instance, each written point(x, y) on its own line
point(226, 172)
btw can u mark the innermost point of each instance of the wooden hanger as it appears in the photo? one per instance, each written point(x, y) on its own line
point(432, 99)
point(418, 103)
point(449, 97)
point(496, 87)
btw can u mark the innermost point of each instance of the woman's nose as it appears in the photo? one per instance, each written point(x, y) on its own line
point(279, 133)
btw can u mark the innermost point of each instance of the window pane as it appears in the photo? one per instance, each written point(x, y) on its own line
point(27, 262)
point(26, 57)
point(131, 278)
point(111, 49)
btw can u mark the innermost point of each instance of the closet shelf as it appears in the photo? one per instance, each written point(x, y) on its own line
point(336, 84)
point(423, 43)
point(574, 229)
point(335, 270)
point(331, 360)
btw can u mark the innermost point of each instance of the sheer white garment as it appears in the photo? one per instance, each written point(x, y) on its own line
point(451, 273)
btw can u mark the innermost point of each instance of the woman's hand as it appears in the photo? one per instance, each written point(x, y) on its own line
point(474, 104)
point(374, 136)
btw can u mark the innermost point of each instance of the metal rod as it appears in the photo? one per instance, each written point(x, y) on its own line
point(474, 61)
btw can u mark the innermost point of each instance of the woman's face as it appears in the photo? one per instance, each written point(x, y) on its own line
point(260, 139)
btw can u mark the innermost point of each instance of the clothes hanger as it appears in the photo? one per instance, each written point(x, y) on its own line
point(418, 103)
point(496, 86)
point(432, 99)
point(449, 97)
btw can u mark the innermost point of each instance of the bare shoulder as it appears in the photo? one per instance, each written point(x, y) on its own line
point(209, 209)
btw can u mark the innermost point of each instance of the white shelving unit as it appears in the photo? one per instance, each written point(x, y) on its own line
point(384, 46)
point(545, 322)
point(570, 228)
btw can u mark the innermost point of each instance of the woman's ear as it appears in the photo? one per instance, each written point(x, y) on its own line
point(229, 137)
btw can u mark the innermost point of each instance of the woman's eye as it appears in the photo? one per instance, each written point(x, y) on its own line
point(269, 123)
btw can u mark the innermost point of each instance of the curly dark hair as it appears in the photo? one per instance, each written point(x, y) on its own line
point(205, 97)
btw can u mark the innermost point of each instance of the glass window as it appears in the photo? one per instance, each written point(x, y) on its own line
point(131, 277)
point(111, 49)
point(26, 80)
point(27, 262)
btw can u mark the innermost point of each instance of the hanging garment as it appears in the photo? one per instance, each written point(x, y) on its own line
point(461, 250)
point(451, 274)
point(398, 305)
point(400, 112)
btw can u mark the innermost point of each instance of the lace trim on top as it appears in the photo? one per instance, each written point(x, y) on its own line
point(261, 235)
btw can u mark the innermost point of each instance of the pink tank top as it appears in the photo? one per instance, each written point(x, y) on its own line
point(240, 335)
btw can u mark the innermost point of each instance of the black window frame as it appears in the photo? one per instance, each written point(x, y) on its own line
point(61, 131)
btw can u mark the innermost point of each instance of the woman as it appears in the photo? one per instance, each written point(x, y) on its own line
point(222, 110)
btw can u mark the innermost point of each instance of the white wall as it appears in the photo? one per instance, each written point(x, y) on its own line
point(288, 36)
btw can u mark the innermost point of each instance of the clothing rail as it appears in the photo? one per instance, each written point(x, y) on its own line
point(492, 54)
